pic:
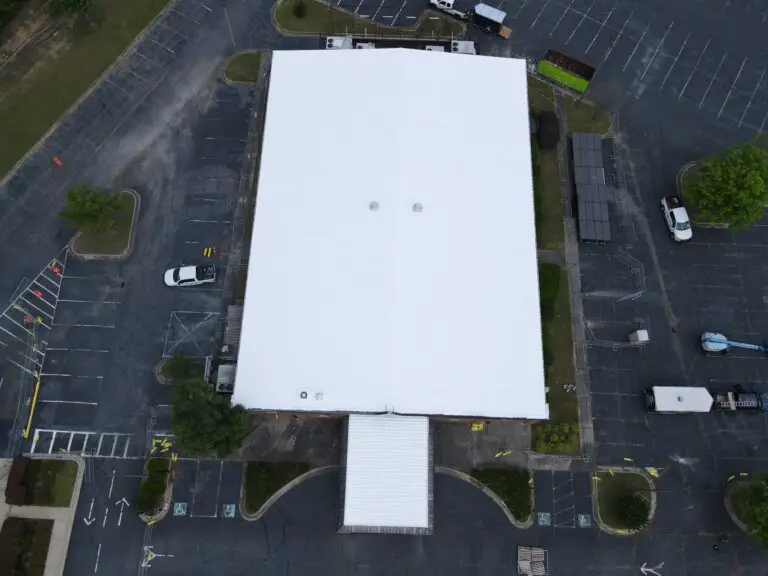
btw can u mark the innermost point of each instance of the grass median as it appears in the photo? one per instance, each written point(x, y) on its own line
point(263, 479)
point(42, 82)
point(114, 241)
point(50, 482)
point(321, 18)
point(559, 434)
point(244, 67)
point(512, 486)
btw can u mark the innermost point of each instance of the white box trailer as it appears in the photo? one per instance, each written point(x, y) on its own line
point(678, 399)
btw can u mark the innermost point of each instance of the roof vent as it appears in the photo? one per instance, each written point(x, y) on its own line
point(418, 207)
point(303, 395)
point(679, 398)
point(373, 206)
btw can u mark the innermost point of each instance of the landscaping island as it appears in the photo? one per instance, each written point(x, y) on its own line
point(179, 369)
point(747, 504)
point(154, 496)
point(243, 68)
point(513, 487)
point(315, 17)
point(625, 501)
point(115, 242)
point(264, 479)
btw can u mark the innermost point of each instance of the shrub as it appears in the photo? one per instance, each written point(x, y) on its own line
point(299, 9)
point(632, 510)
point(751, 506)
point(512, 486)
point(556, 436)
point(151, 491)
point(549, 130)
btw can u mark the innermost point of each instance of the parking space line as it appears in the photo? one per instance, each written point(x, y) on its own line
point(397, 15)
point(36, 307)
point(618, 36)
point(82, 325)
point(636, 47)
point(583, 17)
point(68, 402)
point(695, 68)
point(658, 47)
point(17, 324)
point(12, 335)
point(378, 9)
point(172, 11)
point(519, 10)
point(125, 451)
point(602, 26)
point(714, 77)
point(760, 131)
point(43, 287)
point(89, 301)
point(358, 6)
point(675, 62)
point(53, 440)
point(728, 96)
point(567, 9)
point(77, 350)
point(98, 447)
point(70, 376)
point(757, 87)
point(35, 438)
point(539, 15)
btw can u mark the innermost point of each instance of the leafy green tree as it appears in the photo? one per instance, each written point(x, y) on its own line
point(204, 421)
point(90, 209)
point(751, 505)
point(632, 510)
point(70, 7)
point(732, 187)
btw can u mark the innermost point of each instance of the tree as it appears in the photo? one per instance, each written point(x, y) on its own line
point(751, 505)
point(90, 209)
point(204, 421)
point(732, 187)
point(632, 510)
point(70, 7)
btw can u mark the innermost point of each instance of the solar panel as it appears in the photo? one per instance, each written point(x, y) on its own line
point(591, 194)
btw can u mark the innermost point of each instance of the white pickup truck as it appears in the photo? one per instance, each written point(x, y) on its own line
point(676, 217)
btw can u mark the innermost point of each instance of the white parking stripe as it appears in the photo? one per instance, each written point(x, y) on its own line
point(656, 52)
point(618, 36)
point(757, 87)
point(695, 68)
point(675, 62)
point(728, 96)
point(601, 27)
point(568, 8)
point(714, 77)
point(636, 47)
point(583, 17)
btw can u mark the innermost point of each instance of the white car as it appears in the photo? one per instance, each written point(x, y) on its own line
point(190, 275)
point(676, 217)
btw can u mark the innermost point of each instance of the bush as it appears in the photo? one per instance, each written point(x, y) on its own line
point(549, 130)
point(299, 9)
point(556, 436)
point(632, 510)
point(91, 209)
point(151, 491)
point(512, 486)
point(750, 502)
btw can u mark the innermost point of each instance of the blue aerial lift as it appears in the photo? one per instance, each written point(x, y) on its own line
point(716, 344)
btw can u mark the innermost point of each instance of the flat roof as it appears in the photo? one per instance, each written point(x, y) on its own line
point(682, 399)
point(387, 474)
point(393, 259)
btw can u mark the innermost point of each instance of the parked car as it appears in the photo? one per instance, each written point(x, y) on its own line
point(190, 275)
point(676, 218)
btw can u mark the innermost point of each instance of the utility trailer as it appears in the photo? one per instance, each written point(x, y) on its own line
point(489, 19)
point(740, 400)
point(698, 399)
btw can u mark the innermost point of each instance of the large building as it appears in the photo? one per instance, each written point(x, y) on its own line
point(393, 272)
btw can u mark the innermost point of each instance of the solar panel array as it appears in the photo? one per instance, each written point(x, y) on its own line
point(591, 193)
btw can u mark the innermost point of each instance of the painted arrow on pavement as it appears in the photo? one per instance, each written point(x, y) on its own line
point(122, 503)
point(645, 570)
point(88, 521)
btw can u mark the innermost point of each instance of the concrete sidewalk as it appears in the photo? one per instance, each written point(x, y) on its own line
point(63, 518)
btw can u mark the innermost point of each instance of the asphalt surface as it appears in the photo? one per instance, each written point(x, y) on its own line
point(685, 80)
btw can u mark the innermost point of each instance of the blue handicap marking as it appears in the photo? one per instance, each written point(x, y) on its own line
point(544, 519)
point(180, 509)
point(228, 510)
point(585, 520)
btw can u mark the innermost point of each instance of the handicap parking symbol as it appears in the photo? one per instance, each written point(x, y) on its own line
point(180, 509)
point(228, 510)
point(545, 519)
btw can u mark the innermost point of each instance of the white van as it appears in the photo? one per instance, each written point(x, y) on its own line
point(678, 399)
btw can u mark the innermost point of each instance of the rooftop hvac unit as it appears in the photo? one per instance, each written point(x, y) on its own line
point(463, 47)
point(225, 378)
point(338, 42)
point(365, 45)
point(435, 49)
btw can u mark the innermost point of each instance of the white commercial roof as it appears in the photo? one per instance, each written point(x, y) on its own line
point(387, 473)
point(393, 259)
point(682, 399)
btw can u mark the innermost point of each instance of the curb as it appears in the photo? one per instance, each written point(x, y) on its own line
point(596, 506)
point(424, 14)
point(103, 76)
point(159, 376)
point(237, 83)
point(729, 507)
point(131, 236)
point(491, 494)
point(277, 495)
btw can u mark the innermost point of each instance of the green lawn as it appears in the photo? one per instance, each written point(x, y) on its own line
point(263, 479)
point(42, 86)
point(558, 361)
point(512, 486)
point(547, 194)
point(50, 482)
point(114, 241)
point(244, 67)
point(24, 546)
point(611, 488)
point(583, 117)
point(541, 96)
point(321, 18)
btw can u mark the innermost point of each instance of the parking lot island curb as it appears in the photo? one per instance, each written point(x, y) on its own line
point(491, 494)
point(596, 505)
point(236, 83)
point(167, 499)
point(729, 505)
point(279, 494)
point(131, 236)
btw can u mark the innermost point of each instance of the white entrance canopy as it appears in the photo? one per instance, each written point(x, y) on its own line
point(387, 475)
point(393, 259)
